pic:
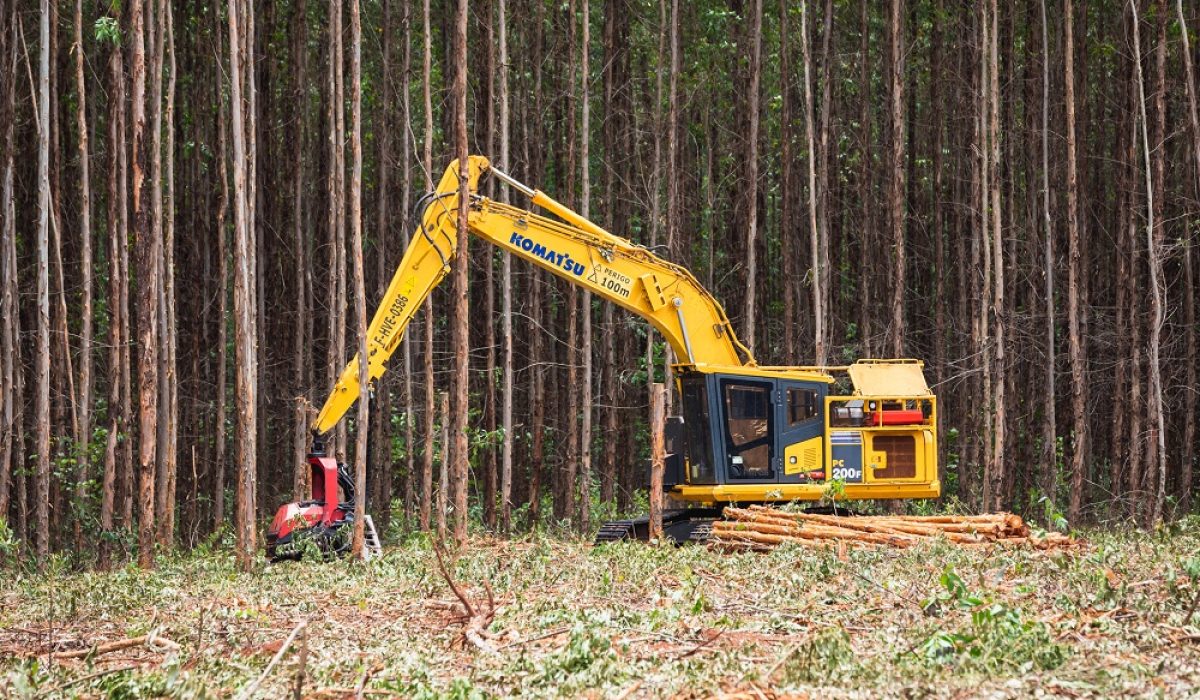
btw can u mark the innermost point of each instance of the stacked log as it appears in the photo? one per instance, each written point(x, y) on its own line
point(761, 528)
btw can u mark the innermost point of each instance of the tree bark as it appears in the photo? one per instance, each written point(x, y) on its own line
point(10, 370)
point(301, 340)
point(222, 369)
point(1187, 466)
point(657, 418)
point(816, 248)
point(361, 428)
point(1077, 349)
point(427, 163)
point(461, 325)
point(585, 432)
point(1155, 186)
point(754, 34)
point(1049, 421)
point(787, 252)
point(506, 421)
point(896, 198)
point(244, 303)
point(994, 485)
point(84, 421)
point(42, 354)
point(166, 521)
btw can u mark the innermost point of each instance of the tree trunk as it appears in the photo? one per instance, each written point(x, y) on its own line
point(754, 33)
point(84, 421)
point(220, 454)
point(657, 417)
point(1078, 352)
point(42, 354)
point(405, 204)
point(816, 247)
point(1189, 290)
point(461, 320)
point(427, 163)
point(1155, 185)
point(10, 370)
point(994, 484)
point(896, 203)
point(506, 421)
point(791, 283)
point(361, 428)
point(1049, 423)
point(585, 433)
point(166, 522)
point(302, 340)
point(337, 215)
point(244, 303)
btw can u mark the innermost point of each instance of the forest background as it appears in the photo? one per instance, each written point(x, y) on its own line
point(199, 201)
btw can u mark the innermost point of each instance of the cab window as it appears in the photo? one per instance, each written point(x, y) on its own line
point(802, 405)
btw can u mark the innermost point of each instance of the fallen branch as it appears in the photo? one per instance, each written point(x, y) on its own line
point(147, 639)
point(478, 620)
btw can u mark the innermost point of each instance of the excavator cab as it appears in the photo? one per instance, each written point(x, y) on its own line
point(780, 434)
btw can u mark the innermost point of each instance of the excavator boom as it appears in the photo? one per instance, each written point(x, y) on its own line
point(666, 295)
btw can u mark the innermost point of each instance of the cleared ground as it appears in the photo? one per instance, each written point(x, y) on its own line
point(627, 620)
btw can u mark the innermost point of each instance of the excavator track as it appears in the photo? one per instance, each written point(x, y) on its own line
point(681, 526)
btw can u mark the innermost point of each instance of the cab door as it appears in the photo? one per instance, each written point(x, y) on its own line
point(801, 425)
point(748, 429)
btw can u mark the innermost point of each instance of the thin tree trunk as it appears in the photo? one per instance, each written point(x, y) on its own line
point(301, 340)
point(1189, 290)
point(405, 203)
point(461, 325)
point(361, 428)
point(506, 421)
point(10, 370)
point(823, 169)
point(381, 428)
point(244, 311)
point(166, 533)
point(866, 242)
point(1078, 356)
point(220, 454)
point(427, 164)
point(817, 274)
point(674, 208)
point(585, 434)
point(488, 257)
point(84, 421)
point(1155, 175)
point(994, 485)
point(896, 202)
point(337, 220)
point(754, 33)
point(656, 182)
point(42, 354)
point(791, 293)
point(1049, 421)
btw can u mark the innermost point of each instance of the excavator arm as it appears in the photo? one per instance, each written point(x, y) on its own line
point(666, 295)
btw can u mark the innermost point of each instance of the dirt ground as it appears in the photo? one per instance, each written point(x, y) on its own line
point(564, 619)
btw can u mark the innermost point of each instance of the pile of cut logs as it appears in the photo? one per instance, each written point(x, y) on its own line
point(761, 528)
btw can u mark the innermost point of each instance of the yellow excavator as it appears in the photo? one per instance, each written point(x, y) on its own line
point(747, 433)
